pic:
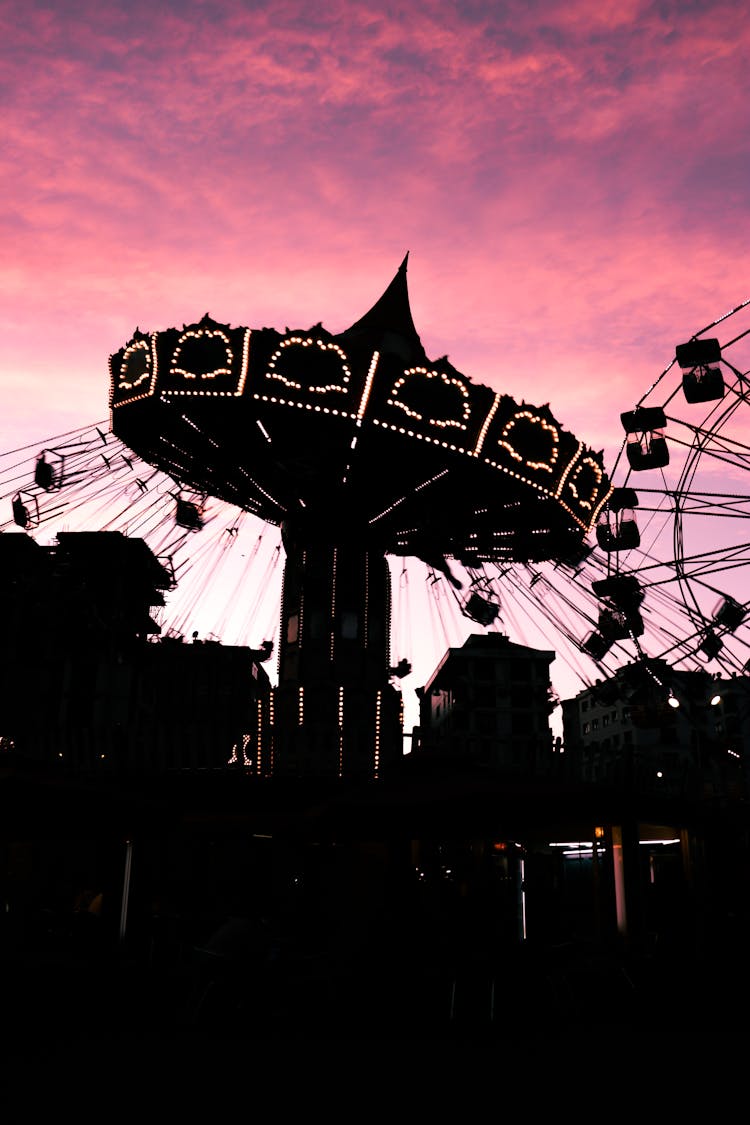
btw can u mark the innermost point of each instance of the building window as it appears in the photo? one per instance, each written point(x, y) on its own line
point(586, 728)
point(595, 724)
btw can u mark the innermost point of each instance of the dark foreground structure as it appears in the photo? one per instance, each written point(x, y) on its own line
point(482, 884)
point(264, 864)
point(428, 905)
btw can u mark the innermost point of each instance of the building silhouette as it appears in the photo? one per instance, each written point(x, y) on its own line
point(487, 705)
point(658, 730)
point(89, 685)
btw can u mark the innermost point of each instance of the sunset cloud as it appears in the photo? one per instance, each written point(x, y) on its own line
point(570, 178)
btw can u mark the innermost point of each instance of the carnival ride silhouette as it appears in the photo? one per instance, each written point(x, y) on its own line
point(230, 450)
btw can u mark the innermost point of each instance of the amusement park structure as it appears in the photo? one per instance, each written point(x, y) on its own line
point(355, 454)
point(353, 457)
point(357, 446)
point(359, 462)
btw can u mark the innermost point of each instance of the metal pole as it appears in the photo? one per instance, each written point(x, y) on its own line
point(126, 888)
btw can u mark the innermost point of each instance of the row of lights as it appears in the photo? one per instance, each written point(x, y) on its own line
point(535, 419)
point(341, 731)
point(397, 503)
point(451, 382)
point(267, 495)
point(307, 342)
point(209, 334)
point(526, 415)
point(150, 369)
point(272, 373)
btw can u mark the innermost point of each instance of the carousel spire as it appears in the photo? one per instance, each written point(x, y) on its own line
point(388, 326)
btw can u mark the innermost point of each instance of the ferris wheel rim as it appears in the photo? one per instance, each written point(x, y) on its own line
point(691, 570)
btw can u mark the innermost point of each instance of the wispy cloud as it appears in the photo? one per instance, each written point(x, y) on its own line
point(571, 178)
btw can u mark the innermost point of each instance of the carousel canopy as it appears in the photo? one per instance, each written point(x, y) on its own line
point(356, 435)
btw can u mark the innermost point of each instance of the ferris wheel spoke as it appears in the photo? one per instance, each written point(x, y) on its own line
point(721, 454)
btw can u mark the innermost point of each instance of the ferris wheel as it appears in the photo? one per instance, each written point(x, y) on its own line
point(672, 538)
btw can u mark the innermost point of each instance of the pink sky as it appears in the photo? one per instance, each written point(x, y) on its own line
point(570, 179)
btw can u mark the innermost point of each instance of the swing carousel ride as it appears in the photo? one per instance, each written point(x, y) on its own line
point(366, 471)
